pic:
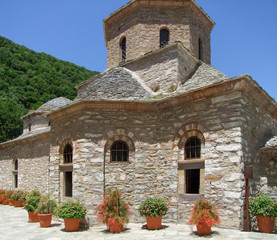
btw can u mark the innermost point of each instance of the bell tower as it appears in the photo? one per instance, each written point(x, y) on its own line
point(143, 26)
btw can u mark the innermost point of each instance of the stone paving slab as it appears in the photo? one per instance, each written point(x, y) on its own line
point(14, 225)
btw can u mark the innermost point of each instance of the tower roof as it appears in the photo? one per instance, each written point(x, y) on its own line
point(135, 4)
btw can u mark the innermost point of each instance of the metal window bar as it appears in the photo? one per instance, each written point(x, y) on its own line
point(164, 37)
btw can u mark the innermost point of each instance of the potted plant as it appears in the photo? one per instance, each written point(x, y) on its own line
point(46, 208)
point(31, 204)
point(71, 212)
point(265, 210)
point(8, 197)
point(16, 196)
point(2, 193)
point(153, 209)
point(204, 215)
point(113, 211)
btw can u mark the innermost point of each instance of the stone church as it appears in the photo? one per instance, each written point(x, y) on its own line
point(160, 121)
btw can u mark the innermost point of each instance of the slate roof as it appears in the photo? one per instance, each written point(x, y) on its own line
point(115, 84)
point(271, 143)
point(53, 104)
point(204, 76)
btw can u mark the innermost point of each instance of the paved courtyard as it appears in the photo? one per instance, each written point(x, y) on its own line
point(14, 225)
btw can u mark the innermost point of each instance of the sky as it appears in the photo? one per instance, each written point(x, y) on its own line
point(243, 41)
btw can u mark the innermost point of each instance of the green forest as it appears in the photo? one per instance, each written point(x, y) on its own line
point(28, 79)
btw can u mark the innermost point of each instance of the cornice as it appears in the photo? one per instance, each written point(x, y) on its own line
point(25, 140)
point(243, 84)
point(134, 4)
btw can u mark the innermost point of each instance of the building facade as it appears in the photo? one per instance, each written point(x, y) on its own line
point(160, 121)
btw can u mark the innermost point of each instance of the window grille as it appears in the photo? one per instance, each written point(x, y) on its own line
point(192, 148)
point(123, 49)
point(164, 37)
point(67, 154)
point(119, 152)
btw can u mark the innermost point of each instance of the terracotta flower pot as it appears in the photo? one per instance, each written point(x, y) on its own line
point(5, 202)
point(45, 219)
point(116, 227)
point(203, 229)
point(33, 217)
point(18, 203)
point(11, 202)
point(154, 223)
point(266, 224)
point(71, 224)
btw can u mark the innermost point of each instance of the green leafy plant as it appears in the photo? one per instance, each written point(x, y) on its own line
point(204, 212)
point(71, 209)
point(16, 195)
point(153, 207)
point(46, 205)
point(8, 194)
point(113, 209)
point(263, 205)
point(32, 200)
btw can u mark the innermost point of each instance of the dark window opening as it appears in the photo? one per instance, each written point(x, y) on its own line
point(164, 37)
point(15, 180)
point(123, 49)
point(15, 174)
point(67, 154)
point(68, 184)
point(192, 181)
point(119, 152)
point(29, 127)
point(193, 148)
point(200, 49)
point(16, 165)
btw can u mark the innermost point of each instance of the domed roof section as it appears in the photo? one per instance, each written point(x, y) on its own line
point(115, 84)
point(204, 76)
point(53, 104)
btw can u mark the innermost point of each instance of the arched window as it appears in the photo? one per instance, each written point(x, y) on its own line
point(119, 152)
point(164, 37)
point(123, 48)
point(67, 155)
point(67, 171)
point(15, 174)
point(200, 49)
point(193, 148)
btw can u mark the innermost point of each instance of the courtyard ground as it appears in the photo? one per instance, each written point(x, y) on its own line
point(14, 225)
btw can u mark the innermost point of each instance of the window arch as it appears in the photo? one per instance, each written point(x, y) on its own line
point(119, 152)
point(193, 148)
point(123, 48)
point(67, 154)
point(66, 168)
point(164, 37)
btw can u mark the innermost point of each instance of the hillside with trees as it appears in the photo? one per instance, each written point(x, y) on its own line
point(28, 79)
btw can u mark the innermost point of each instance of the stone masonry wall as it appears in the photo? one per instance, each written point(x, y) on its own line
point(163, 72)
point(153, 166)
point(33, 165)
point(142, 32)
point(259, 126)
point(36, 122)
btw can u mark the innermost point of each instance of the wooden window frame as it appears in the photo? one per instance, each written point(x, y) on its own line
point(68, 154)
point(196, 148)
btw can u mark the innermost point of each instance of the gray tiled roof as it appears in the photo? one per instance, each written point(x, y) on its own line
point(271, 143)
point(115, 84)
point(204, 76)
point(53, 104)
